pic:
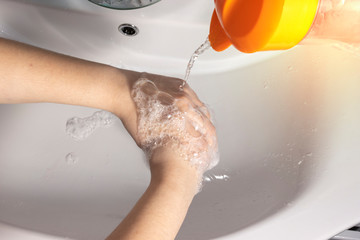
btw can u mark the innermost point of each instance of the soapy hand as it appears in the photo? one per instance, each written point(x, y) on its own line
point(170, 116)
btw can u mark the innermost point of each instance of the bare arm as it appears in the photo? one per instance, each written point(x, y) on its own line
point(161, 210)
point(29, 74)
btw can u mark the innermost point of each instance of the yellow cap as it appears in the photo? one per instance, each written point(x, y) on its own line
point(260, 25)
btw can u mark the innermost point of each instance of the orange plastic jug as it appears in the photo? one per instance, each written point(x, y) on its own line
point(260, 25)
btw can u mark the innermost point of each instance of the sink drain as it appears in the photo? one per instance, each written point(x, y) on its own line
point(128, 29)
point(124, 4)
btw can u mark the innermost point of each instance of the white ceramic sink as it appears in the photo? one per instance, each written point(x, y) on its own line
point(288, 126)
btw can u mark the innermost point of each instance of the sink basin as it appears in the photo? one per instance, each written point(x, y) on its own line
point(288, 125)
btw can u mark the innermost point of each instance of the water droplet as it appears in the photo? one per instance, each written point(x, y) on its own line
point(309, 154)
point(214, 177)
point(225, 177)
point(71, 158)
point(207, 179)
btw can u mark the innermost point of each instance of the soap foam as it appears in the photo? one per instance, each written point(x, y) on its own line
point(160, 122)
point(71, 158)
point(81, 128)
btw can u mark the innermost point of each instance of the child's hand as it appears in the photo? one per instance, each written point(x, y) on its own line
point(172, 122)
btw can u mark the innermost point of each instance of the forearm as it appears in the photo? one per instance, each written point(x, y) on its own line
point(161, 210)
point(30, 74)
